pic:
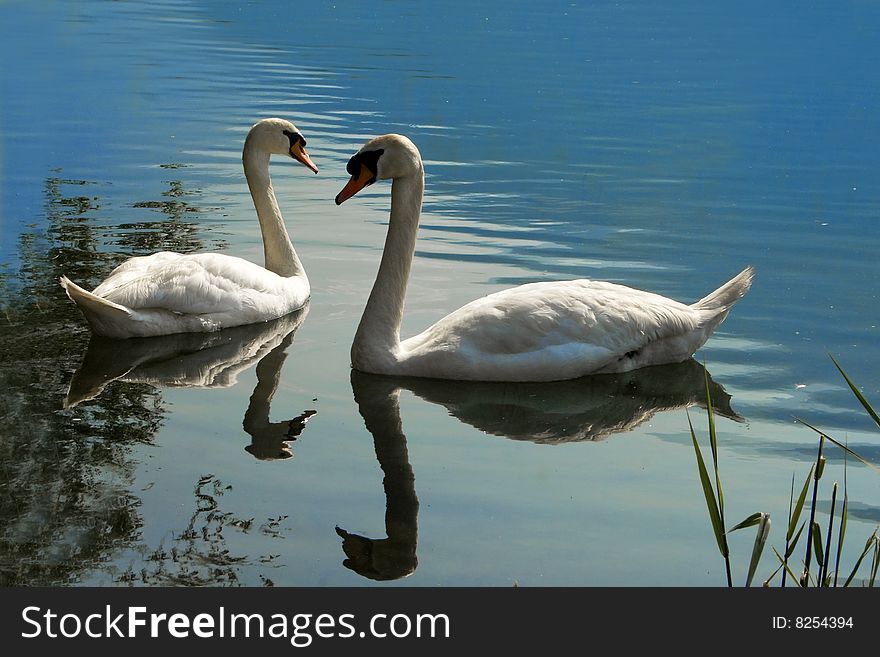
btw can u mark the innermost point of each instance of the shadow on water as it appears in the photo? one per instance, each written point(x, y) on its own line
point(587, 409)
point(202, 360)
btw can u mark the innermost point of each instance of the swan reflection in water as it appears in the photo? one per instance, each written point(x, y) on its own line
point(587, 409)
point(591, 408)
point(378, 400)
point(203, 360)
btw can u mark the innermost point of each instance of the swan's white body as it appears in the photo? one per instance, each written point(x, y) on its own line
point(167, 293)
point(536, 332)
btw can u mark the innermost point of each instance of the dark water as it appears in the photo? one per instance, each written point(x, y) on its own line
point(664, 146)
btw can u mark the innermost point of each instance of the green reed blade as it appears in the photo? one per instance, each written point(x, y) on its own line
point(713, 442)
point(839, 444)
point(785, 565)
point(875, 563)
point(842, 532)
point(867, 549)
point(817, 548)
point(810, 526)
point(787, 531)
point(758, 548)
point(751, 521)
point(843, 516)
point(772, 575)
point(825, 577)
point(794, 542)
point(864, 402)
point(796, 514)
point(708, 493)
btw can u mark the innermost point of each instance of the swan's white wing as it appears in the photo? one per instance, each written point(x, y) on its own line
point(542, 331)
point(539, 315)
point(195, 284)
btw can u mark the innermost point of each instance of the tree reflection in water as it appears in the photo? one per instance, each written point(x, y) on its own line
point(198, 555)
point(65, 474)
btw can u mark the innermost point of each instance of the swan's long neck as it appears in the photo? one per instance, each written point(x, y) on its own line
point(378, 334)
point(277, 247)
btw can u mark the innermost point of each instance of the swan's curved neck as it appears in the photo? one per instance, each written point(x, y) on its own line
point(378, 334)
point(277, 247)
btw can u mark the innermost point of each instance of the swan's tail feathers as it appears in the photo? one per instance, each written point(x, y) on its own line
point(717, 304)
point(97, 310)
point(729, 293)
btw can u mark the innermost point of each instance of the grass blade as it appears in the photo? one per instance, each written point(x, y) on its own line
point(796, 514)
point(787, 532)
point(846, 449)
point(709, 494)
point(785, 565)
point(857, 393)
point(713, 443)
point(817, 548)
point(867, 549)
point(816, 476)
point(772, 575)
point(758, 548)
point(843, 515)
point(794, 543)
point(751, 521)
point(875, 564)
point(824, 574)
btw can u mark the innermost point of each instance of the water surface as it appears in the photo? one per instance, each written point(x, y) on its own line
point(660, 146)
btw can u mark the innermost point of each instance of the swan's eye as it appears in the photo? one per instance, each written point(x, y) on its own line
point(294, 137)
point(369, 159)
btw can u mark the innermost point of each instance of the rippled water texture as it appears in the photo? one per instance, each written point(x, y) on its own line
point(660, 145)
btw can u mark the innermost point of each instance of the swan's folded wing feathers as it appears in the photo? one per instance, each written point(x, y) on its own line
point(190, 284)
point(539, 315)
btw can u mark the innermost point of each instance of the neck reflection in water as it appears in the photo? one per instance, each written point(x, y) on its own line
point(588, 409)
point(393, 557)
point(203, 360)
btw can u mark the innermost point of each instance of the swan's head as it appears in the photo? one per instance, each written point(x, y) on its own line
point(279, 137)
point(381, 158)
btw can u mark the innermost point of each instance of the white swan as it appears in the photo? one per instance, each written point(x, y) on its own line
point(535, 332)
point(166, 292)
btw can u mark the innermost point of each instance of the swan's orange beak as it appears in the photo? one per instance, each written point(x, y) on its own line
point(298, 152)
point(356, 184)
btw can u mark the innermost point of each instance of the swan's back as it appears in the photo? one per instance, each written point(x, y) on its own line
point(537, 315)
point(200, 283)
point(558, 330)
point(166, 293)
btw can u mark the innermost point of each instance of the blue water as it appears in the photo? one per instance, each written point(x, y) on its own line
point(660, 145)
